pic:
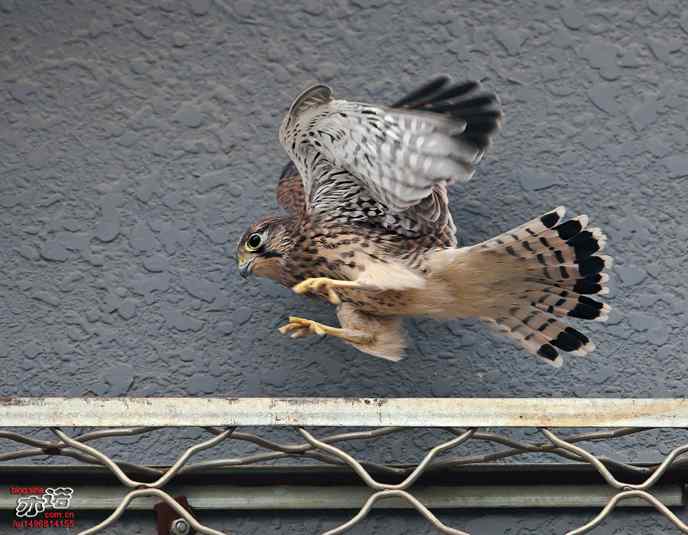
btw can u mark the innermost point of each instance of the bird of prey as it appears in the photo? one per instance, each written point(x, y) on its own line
point(368, 227)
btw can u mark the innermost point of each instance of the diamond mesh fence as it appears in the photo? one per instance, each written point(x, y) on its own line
point(625, 481)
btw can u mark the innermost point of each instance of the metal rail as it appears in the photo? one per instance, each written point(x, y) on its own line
point(443, 477)
point(344, 412)
point(318, 487)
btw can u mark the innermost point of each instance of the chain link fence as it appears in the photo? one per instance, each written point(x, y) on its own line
point(625, 481)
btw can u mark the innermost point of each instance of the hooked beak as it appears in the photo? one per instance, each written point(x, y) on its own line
point(245, 266)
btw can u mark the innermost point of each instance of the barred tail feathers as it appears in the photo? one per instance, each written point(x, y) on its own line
point(526, 281)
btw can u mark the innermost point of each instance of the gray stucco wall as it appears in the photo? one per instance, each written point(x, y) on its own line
point(138, 140)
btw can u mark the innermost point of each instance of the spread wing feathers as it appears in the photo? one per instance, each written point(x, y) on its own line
point(290, 195)
point(559, 267)
point(423, 94)
point(397, 154)
point(540, 334)
point(290, 188)
point(527, 281)
point(481, 112)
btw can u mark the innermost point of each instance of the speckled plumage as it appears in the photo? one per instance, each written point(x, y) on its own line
point(340, 216)
point(369, 227)
point(343, 209)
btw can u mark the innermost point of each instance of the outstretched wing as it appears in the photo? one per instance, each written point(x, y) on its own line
point(290, 190)
point(388, 159)
point(430, 96)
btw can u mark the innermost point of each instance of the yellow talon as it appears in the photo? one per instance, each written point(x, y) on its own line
point(299, 327)
point(317, 284)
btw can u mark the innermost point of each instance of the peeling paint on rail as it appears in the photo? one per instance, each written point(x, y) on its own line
point(363, 412)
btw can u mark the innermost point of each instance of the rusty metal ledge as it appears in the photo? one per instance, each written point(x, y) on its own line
point(287, 497)
point(288, 487)
point(343, 412)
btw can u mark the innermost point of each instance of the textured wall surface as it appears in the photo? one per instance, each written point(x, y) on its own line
point(138, 140)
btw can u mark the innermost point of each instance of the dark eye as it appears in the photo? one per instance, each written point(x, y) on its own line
point(254, 242)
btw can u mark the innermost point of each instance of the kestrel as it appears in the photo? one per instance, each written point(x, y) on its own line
point(369, 228)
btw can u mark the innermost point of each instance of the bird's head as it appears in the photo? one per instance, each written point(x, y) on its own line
point(262, 248)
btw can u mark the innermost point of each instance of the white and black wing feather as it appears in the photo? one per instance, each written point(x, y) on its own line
point(397, 154)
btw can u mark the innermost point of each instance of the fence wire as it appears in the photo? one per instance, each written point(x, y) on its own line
point(326, 450)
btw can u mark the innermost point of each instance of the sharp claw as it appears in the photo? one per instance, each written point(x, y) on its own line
point(300, 327)
point(309, 285)
point(298, 288)
point(317, 284)
point(293, 325)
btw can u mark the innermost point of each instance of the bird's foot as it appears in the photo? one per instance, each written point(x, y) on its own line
point(299, 327)
point(318, 284)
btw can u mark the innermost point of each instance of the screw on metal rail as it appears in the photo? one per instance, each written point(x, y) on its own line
point(168, 520)
point(180, 527)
